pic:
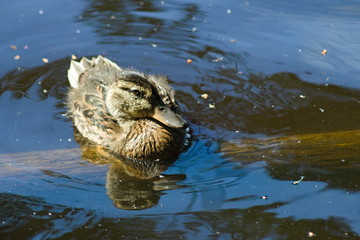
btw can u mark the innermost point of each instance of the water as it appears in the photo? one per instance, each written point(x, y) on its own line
point(277, 109)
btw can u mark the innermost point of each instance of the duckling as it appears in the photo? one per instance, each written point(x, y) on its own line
point(130, 113)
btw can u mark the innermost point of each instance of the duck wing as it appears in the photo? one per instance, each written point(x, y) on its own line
point(92, 118)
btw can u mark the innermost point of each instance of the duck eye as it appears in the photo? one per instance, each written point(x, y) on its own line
point(135, 92)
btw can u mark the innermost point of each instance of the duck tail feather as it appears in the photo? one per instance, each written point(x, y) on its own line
point(104, 61)
point(76, 68)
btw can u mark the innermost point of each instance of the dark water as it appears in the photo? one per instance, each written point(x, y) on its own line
point(261, 65)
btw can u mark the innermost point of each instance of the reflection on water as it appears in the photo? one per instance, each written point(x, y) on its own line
point(131, 193)
point(153, 21)
point(275, 110)
point(280, 103)
point(131, 184)
point(127, 191)
point(327, 157)
point(68, 223)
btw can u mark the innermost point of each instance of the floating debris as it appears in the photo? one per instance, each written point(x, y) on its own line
point(324, 51)
point(154, 45)
point(204, 95)
point(26, 47)
point(311, 234)
point(73, 57)
point(189, 61)
point(45, 60)
point(264, 197)
point(17, 57)
point(13, 47)
point(212, 105)
point(297, 182)
point(302, 96)
point(233, 40)
point(218, 59)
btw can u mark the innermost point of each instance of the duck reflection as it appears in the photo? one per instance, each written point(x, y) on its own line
point(130, 184)
point(132, 193)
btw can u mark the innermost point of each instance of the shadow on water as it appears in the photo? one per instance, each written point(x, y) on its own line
point(147, 19)
point(31, 217)
point(277, 104)
point(51, 80)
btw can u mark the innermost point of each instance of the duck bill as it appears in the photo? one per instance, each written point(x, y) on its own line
point(168, 117)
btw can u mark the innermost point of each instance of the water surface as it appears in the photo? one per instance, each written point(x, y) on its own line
point(277, 109)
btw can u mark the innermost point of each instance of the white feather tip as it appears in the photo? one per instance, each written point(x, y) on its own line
point(74, 72)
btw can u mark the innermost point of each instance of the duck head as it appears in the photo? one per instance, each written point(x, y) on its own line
point(132, 96)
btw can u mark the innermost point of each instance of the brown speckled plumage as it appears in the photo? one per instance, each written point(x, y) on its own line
point(130, 113)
